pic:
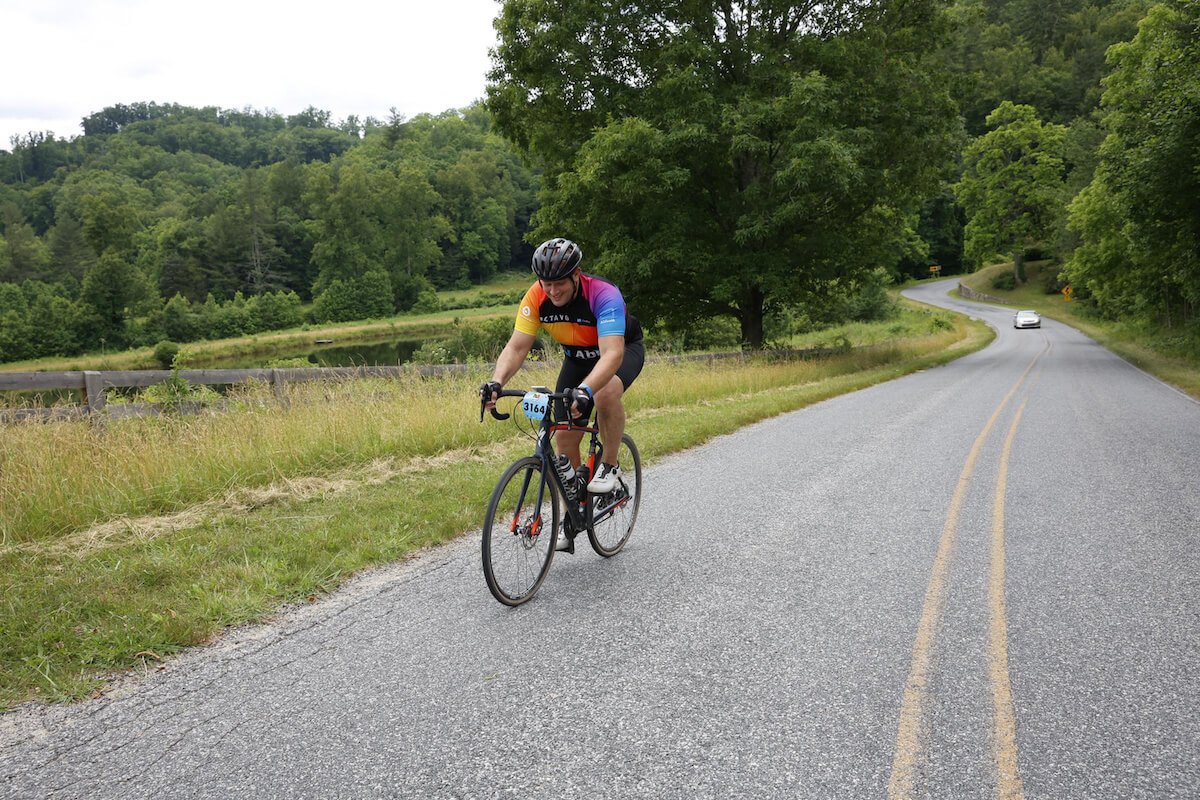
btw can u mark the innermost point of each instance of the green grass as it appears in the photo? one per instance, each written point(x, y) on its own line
point(122, 547)
point(1154, 350)
point(502, 282)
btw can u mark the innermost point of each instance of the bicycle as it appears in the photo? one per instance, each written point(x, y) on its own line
point(517, 545)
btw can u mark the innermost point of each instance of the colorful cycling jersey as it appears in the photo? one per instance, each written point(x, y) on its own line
point(596, 310)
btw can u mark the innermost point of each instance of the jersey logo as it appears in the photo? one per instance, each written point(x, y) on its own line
point(526, 311)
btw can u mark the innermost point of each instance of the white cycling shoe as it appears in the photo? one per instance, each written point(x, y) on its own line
point(605, 480)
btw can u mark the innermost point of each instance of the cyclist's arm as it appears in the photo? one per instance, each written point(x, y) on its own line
point(512, 356)
point(612, 353)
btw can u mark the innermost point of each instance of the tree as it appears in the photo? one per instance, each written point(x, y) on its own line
point(360, 297)
point(180, 322)
point(1012, 185)
point(70, 253)
point(50, 328)
point(26, 255)
point(411, 230)
point(940, 228)
point(733, 160)
point(109, 222)
point(274, 311)
point(480, 203)
point(1138, 219)
point(112, 289)
point(341, 198)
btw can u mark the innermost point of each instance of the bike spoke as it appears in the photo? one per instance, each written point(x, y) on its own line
point(518, 536)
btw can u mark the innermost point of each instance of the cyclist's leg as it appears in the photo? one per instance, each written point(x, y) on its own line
point(610, 406)
point(610, 417)
point(571, 375)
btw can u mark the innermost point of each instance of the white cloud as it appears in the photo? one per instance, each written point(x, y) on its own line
point(63, 60)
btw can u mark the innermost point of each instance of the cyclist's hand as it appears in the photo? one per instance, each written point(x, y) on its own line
point(582, 402)
point(487, 395)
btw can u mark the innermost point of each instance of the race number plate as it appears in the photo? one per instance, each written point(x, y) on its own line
point(536, 405)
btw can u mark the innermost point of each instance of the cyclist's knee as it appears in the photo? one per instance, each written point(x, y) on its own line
point(611, 394)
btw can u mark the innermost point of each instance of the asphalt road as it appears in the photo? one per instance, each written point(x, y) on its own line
point(979, 581)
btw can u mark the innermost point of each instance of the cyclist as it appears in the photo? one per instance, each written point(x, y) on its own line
point(601, 341)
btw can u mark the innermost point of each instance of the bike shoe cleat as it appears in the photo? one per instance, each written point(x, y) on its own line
point(605, 480)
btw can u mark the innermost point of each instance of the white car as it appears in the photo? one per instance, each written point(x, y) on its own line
point(1027, 319)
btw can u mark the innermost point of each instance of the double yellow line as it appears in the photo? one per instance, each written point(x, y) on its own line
point(913, 734)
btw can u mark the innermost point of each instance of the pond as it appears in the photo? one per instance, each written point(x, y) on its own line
point(389, 352)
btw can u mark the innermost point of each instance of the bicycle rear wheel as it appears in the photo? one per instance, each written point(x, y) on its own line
point(519, 531)
point(614, 514)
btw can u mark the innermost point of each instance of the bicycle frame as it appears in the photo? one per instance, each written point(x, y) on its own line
point(581, 512)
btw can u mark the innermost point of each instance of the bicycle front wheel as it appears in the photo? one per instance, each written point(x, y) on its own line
point(613, 514)
point(519, 531)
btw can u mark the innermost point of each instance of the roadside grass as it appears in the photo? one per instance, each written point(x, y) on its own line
point(1155, 350)
point(502, 282)
point(122, 547)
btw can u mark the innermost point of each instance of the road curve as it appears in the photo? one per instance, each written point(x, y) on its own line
point(979, 581)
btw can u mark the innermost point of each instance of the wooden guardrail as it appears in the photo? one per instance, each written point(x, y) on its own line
point(92, 384)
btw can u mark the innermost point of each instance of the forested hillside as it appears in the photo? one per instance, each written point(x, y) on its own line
point(765, 166)
point(162, 221)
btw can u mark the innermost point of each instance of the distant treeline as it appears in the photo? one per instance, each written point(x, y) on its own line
point(164, 221)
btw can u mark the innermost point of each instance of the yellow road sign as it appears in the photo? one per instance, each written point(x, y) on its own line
point(1066, 290)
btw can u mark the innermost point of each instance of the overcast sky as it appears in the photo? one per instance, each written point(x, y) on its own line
point(61, 60)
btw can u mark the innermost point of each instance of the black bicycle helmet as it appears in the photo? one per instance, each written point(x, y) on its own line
point(556, 259)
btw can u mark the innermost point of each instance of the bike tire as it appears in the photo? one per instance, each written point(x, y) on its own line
point(517, 548)
point(613, 515)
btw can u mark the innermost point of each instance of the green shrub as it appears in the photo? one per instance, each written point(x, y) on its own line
point(367, 296)
point(1005, 281)
point(872, 302)
point(427, 303)
point(165, 352)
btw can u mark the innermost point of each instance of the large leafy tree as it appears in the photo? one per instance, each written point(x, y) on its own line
point(1139, 219)
point(112, 292)
point(734, 158)
point(1012, 185)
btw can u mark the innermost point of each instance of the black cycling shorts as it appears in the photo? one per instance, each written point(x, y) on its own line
point(575, 370)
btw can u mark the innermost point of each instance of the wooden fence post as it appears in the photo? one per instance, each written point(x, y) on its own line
point(279, 384)
point(93, 391)
point(93, 397)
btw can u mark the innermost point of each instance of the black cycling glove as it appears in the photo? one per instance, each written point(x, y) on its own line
point(488, 389)
point(583, 400)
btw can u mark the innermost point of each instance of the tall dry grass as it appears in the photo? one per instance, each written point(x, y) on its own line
point(60, 477)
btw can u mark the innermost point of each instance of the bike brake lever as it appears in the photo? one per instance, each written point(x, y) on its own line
point(483, 406)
